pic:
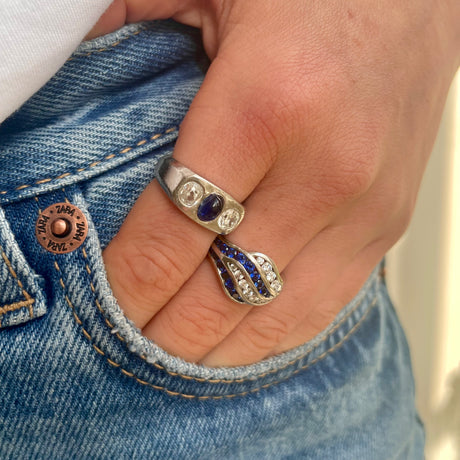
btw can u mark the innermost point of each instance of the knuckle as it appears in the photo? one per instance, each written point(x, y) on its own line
point(271, 120)
point(344, 176)
point(196, 327)
point(150, 270)
point(265, 332)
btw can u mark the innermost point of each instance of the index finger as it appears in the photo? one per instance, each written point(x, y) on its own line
point(158, 248)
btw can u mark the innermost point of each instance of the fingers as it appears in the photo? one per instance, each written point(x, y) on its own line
point(337, 296)
point(322, 280)
point(201, 320)
point(200, 315)
point(155, 251)
point(158, 248)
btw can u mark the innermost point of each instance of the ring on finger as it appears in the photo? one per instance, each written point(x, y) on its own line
point(250, 278)
point(201, 200)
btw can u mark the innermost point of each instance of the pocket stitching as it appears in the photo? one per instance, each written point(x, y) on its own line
point(206, 397)
point(108, 47)
point(29, 300)
point(232, 381)
point(93, 164)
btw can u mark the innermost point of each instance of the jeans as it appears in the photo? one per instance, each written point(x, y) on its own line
point(77, 379)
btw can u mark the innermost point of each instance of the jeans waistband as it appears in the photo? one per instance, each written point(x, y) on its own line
point(116, 98)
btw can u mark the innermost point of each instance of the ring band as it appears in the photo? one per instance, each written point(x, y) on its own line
point(199, 199)
point(250, 278)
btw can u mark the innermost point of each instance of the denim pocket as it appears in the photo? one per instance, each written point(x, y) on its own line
point(122, 345)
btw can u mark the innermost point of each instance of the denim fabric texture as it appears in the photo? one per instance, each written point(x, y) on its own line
point(77, 379)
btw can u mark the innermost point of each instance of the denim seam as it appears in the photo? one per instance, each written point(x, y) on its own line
point(173, 393)
point(100, 50)
point(152, 138)
point(206, 397)
point(98, 305)
point(227, 381)
point(29, 300)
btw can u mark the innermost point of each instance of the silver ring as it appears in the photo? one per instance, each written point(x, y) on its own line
point(199, 199)
point(250, 278)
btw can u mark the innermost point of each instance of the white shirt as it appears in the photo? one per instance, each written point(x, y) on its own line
point(36, 38)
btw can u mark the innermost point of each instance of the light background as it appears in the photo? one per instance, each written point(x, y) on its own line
point(424, 282)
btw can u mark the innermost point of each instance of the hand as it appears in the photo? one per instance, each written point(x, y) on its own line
point(320, 117)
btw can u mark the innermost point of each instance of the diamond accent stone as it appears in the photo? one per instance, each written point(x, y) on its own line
point(266, 267)
point(190, 193)
point(229, 220)
point(276, 285)
point(238, 274)
point(271, 276)
point(260, 260)
point(244, 284)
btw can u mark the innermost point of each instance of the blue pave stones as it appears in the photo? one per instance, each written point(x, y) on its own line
point(241, 258)
point(250, 267)
point(229, 284)
point(210, 207)
point(245, 280)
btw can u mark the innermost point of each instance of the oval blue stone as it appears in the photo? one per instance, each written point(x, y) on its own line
point(210, 207)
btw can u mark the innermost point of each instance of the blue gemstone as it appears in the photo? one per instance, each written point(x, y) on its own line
point(264, 292)
point(221, 267)
point(249, 266)
point(231, 253)
point(210, 207)
point(241, 258)
point(230, 286)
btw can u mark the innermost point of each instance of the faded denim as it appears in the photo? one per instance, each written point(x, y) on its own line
point(77, 380)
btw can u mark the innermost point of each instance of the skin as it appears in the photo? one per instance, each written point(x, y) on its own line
point(320, 117)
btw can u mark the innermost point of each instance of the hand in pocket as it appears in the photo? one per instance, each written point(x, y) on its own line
point(320, 118)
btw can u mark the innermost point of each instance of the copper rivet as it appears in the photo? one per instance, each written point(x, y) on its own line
point(61, 228)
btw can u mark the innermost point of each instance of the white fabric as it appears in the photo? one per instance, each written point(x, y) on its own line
point(36, 38)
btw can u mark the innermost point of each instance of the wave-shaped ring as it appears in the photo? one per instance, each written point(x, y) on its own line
point(250, 278)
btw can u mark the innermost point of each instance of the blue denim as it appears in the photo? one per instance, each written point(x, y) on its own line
point(77, 379)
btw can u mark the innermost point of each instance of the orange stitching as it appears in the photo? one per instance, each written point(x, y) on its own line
point(38, 204)
point(98, 349)
point(15, 306)
point(272, 371)
point(201, 380)
point(93, 289)
point(100, 50)
point(254, 390)
point(18, 281)
point(95, 163)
